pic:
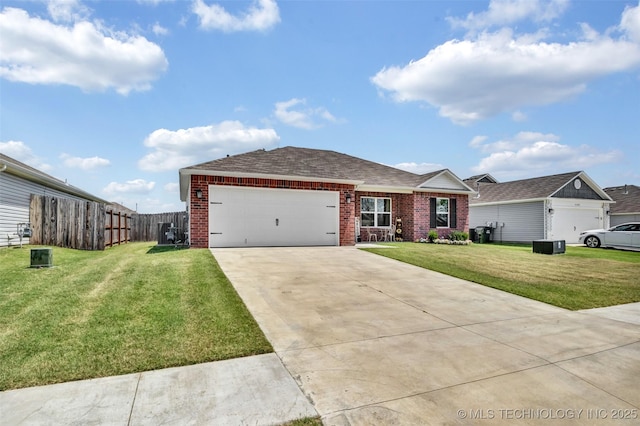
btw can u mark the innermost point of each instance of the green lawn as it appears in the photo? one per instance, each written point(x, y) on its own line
point(129, 308)
point(581, 278)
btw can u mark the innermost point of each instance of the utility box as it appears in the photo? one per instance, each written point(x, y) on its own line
point(41, 258)
point(549, 246)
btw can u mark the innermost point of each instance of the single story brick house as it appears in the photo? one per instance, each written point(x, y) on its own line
point(556, 207)
point(627, 206)
point(303, 197)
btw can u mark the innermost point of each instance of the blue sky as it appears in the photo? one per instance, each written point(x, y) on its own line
point(116, 96)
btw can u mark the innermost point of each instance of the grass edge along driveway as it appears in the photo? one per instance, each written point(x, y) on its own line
point(582, 278)
point(130, 308)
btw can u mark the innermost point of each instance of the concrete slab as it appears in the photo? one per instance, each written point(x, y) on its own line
point(540, 395)
point(560, 336)
point(105, 401)
point(374, 341)
point(616, 371)
point(629, 312)
point(255, 390)
point(343, 376)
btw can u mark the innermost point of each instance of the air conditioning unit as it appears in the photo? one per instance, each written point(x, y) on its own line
point(549, 246)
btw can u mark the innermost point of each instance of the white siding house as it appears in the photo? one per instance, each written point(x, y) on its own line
point(17, 182)
point(627, 206)
point(556, 207)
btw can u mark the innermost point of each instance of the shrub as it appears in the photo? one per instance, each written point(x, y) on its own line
point(432, 235)
point(459, 236)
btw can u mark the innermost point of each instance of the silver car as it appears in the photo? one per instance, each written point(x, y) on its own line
point(626, 235)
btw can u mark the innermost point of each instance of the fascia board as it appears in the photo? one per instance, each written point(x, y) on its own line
point(446, 190)
point(494, 203)
point(409, 190)
point(384, 188)
point(452, 176)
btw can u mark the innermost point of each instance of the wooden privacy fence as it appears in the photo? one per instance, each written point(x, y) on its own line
point(65, 222)
point(87, 225)
point(117, 228)
point(145, 227)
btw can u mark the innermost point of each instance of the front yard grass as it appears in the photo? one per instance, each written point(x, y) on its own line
point(582, 278)
point(127, 309)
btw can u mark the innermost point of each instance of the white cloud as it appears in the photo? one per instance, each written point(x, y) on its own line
point(85, 55)
point(520, 140)
point(539, 153)
point(261, 16)
point(136, 186)
point(518, 116)
point(303, 118)
point(470, 80)
point(630, 23)
point(172, 187)
point(184, 147)
point(507, 12)
point(89, 163)
point(20, 151)
point(159, 29)
point(418, 168)
point(67, 10)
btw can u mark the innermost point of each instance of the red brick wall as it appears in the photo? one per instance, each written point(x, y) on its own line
point(199, 208)
point(415, 212)
point(401, 207)
point(422, 214)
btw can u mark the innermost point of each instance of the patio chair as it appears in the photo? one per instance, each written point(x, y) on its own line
point(390, 234)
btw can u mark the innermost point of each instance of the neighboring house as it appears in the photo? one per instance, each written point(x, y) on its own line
point(556, 207)
point(298, 196)
point(17, 182)
point(627, 206)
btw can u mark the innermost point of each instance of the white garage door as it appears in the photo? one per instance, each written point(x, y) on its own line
point(569, 222)
point(252, 217)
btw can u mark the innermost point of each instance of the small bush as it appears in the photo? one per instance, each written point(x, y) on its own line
point(432, 235)
point(459, 236)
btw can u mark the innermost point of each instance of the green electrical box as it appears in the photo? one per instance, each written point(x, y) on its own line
point(41, 258)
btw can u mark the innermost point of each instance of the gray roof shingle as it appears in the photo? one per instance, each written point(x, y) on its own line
point(525, 189)
point(628, 202)
point(314, 163)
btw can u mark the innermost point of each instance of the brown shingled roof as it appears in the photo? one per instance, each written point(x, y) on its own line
point(525, 189)
point(314, 163)
point(625, 203)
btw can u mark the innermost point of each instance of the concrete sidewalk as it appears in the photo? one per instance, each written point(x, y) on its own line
point(255, 390)
point(374, 341)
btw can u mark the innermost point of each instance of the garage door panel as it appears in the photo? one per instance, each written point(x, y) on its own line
point(241, 217)
point(569, 222)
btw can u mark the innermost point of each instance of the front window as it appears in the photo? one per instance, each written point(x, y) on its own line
point(442, 213)
point(375, 211)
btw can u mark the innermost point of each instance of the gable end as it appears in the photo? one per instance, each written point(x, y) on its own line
point(577, 188)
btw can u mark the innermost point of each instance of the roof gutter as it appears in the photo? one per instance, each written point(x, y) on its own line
point(410, 189)
point(528, 200)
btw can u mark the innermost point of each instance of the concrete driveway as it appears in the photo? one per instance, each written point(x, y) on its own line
point(374, 341)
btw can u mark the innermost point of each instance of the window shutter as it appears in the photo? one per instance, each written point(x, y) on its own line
point(453, 213)
point(432, 207)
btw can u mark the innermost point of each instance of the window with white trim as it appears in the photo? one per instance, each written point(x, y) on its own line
point(442, 212)
point(375, 212)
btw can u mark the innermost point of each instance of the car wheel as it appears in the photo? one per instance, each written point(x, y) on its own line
point(592, 241)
